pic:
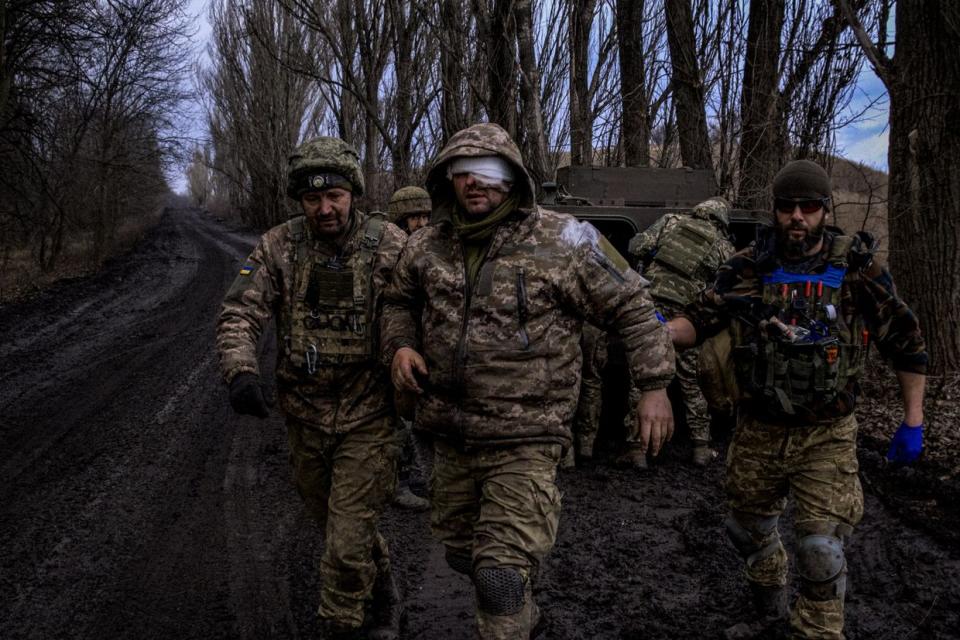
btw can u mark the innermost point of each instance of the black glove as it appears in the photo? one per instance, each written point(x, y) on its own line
point(246, 396)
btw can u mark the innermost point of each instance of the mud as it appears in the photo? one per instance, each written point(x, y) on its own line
point(134, 504)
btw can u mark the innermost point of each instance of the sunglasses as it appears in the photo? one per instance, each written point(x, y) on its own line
point(786, 205)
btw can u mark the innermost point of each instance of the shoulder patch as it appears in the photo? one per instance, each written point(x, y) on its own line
point(248, 269)
point(611, 254)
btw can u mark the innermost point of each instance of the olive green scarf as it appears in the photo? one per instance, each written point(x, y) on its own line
point(476, 236)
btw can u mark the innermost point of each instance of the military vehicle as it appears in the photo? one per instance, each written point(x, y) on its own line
point(622, 201)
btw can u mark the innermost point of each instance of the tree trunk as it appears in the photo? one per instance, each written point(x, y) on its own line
point(635, 126)
point(924, 156)
point(497, 33)
point(535, 140)
point(759, 146)
point(581, 123)
point(687, 86)
point(451, 74)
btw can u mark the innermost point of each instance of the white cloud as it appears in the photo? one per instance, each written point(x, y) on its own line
point(867, 145)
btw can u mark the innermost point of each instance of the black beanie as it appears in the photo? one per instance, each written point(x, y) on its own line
point(802, 179)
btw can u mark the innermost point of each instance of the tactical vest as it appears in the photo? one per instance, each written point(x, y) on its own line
point(802, 369)
point(332, 320)
point(682, 264)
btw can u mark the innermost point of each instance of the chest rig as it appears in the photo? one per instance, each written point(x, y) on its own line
point(681, 265)
point(331, 321)
point(806, 348)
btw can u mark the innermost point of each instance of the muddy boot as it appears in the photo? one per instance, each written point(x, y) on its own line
point(333, 630)
point(586, 449)
point(632, 459)
point(387, 608)
point(703, 454)
point(569, 460)
point(770, 604)
point(407, 499)
point(540, 623)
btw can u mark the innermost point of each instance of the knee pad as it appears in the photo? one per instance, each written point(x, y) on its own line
point(822, 567)
point(500, 591)
point(459, 561)
point(755, 537)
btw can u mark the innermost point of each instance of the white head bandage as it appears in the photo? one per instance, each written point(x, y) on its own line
point(492, 169)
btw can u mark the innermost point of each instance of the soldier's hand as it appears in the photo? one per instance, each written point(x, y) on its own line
point(656, 420)
point(907, 444)
point(246, 396)
point(407, 364)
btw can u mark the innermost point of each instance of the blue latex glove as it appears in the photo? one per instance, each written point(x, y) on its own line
point(906, 445)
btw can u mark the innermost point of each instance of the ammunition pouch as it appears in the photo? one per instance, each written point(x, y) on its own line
point(331, 321)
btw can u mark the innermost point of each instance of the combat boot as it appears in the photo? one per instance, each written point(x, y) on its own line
point(702, 454)
point(407, 499)
point(387, 609)
point(569, 460)
point(333, 630)
point(586, 448)
point(770, 604)
point(632, 459)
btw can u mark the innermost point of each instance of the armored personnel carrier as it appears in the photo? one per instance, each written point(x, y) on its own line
point(622, 201)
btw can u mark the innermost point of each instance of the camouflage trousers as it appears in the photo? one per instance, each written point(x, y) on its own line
point(586, 423)
point(346, 480)
point(497, 508)
point(695, 405)
point(818, 466)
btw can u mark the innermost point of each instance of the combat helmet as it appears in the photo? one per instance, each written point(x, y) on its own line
point(715, 208)
point(408, 201)
point(323, 161)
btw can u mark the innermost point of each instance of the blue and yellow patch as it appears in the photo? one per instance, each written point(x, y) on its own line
point(246, 269)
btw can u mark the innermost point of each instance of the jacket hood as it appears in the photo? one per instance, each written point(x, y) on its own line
point(483, 139)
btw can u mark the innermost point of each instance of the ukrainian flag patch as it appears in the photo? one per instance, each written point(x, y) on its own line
point(247, 269)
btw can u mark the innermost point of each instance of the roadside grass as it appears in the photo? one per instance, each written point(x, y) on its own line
point(21, 276)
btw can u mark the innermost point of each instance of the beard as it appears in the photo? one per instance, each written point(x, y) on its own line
point(793, 248)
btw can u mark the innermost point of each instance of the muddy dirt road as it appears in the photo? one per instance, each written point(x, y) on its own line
point(134, 504)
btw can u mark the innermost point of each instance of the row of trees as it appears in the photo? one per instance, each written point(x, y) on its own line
point(610, 82)
point(88, 89)
point(737, 87)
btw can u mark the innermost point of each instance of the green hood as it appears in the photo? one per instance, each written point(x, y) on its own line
point(484, 139)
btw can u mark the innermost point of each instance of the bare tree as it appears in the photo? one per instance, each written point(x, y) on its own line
point(581, 123)
point(687, 86)
point(923, 80)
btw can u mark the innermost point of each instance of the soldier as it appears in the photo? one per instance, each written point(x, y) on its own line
point(502, 288)
point(802, 304)
point(586, 421)
point(409, 208)
point(321, 275)
point(680, 254)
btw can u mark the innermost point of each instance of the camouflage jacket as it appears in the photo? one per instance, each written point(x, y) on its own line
point(680, 253)
point(503, 353)
point(867, 299)
point(337, 396)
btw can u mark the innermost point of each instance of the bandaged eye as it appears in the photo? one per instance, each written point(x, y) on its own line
point(787, 205)
point(487, 182)
point(489, 172)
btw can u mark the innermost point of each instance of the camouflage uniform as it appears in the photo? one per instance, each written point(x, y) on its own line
point(331, 387)
point(586, 423)
point(681, 255)
point(796, 432)
point(504, 365)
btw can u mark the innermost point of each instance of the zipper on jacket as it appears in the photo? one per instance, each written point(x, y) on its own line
point(522, 307)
